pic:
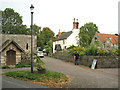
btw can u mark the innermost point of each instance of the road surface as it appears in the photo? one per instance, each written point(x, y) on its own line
point(82, 77)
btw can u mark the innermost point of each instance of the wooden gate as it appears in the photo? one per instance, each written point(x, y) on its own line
point(11, 57)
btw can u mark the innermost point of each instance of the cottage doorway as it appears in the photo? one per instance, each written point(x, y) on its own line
point(11, 57)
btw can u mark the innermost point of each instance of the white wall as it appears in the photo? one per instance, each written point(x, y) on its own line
point(61, 43)
point(73, 38)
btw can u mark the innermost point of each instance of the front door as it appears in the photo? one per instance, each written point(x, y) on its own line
point(11, 57)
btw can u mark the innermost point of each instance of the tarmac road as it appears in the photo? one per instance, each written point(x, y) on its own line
point(83, 77)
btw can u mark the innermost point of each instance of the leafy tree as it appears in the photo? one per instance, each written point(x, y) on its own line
point(44, 37)
point(48, 47)
point(12, 22)
point(86, 34)
point(48, 34)
point(36, 29)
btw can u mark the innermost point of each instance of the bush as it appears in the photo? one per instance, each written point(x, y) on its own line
point(71, 47)
point(92, 50)
point(21, 65)
point(40, 64)
point(5, 67)
point(80, 50)
point(112, 52)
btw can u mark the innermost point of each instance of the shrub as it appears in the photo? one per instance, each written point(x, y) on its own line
point(71, 47)
point(92, 50)
point(5, 67)
point(20, 65)
point(112, 52)
point(40, 64)
point(80, 50)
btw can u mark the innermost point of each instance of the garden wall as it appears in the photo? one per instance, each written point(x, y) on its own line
point(102, 61)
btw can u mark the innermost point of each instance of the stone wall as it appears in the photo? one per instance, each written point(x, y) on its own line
point(102, 61)
point(22, 40)
point(4, 54)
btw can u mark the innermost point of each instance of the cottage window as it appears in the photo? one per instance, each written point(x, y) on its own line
point(65, 47)
point(27, 46)
point(95, 38)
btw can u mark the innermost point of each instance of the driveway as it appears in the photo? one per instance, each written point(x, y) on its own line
point(83, 77)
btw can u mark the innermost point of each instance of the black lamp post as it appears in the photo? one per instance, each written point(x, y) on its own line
point(31, 8)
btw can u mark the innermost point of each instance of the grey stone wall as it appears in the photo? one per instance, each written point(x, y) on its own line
point(21, 40)
point(102, 61)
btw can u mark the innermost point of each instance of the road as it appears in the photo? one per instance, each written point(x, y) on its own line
point(16, 83)
point(82, 77)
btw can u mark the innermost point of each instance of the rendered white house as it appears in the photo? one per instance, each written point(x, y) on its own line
point(67, 39)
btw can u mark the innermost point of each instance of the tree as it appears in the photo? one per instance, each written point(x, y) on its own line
point(36, 29)
point(86, 34)
point(12, 22)
point(43, 37)
point(49, 46)
point(47, 34)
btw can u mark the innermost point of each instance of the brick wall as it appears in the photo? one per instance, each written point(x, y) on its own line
point(102, 61)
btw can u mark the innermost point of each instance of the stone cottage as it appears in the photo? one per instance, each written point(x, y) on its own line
point(108, 41)
point(68, 38)
point(14, 46)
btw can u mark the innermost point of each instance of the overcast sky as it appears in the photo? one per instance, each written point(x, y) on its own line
point(59, 14)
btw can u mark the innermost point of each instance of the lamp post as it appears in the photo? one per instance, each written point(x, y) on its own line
point(31, 8)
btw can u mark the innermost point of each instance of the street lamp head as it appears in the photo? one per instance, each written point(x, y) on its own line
point(31, 8)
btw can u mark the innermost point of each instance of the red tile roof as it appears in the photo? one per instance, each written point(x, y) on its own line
point(104, 36)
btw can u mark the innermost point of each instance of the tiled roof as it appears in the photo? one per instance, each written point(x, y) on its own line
point(64, 36)
point(104, 36)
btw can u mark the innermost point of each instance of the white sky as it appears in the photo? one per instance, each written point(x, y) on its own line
point(59, 14)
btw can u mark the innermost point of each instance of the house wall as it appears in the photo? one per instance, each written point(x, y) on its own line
point(73, 38)
point(22, 41)
point(4, 54)
point(106, 44)
point(61, 43)
point(99, 40)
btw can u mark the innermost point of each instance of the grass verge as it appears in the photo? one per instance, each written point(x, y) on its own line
point(50, 78)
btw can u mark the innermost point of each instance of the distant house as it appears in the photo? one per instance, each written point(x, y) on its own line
point(68, 38)
point(13, 47)
point(108, 41)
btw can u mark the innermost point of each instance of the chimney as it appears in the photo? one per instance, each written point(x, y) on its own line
point(75, 24)
point(59, 33)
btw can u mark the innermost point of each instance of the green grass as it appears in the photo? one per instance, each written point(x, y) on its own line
point(22, 65)
point(51, 78)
